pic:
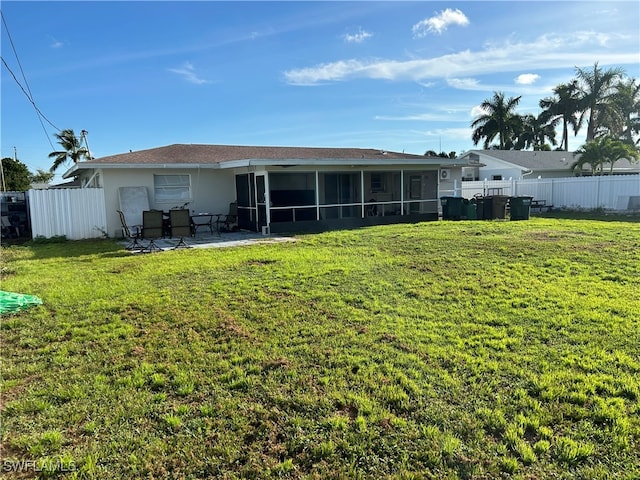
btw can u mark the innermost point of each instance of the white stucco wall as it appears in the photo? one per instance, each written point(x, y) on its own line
point(211, 191)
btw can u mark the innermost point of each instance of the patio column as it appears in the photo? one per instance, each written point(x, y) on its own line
point(267, 200)
point(362, 213)
point(317, 195)
point(401, 191)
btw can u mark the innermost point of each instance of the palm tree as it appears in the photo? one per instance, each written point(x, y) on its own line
point(602, 151)
point(596, 88)
point(533, 132)
point(499, 120)
point(625, 120)
point(72, 149)
point(563, 106)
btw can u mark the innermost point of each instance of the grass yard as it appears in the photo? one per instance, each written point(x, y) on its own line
point(439, 350)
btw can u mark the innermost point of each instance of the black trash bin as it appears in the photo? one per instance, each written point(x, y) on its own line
point(520, 207)
point(451, 208)
point(495, 207)
point(479, 207)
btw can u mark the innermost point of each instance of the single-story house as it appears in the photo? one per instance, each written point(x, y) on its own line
point(277, 189)
point(520, 164)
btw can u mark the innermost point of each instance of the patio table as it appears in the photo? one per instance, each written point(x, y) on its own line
point(205, 220)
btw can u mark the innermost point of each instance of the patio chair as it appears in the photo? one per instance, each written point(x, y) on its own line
point(181, 226)
point(9, 228)
point(230, 219)
point(132, 232)
point(152, 229)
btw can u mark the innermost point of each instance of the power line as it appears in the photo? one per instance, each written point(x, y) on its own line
point(26, 92)
point(40, 114)
point(13, 47)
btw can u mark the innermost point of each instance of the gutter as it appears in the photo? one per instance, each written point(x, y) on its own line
point(74, 170)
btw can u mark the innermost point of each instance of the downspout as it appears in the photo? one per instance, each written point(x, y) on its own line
point(523, 175)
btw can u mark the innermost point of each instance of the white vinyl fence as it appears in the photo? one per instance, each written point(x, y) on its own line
point(76, 213)
point(616, 192)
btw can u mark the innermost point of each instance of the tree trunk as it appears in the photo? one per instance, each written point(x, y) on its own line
point(591, 127)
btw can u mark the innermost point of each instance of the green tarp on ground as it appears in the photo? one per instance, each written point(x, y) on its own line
point(14, 302)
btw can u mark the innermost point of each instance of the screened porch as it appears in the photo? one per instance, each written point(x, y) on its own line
point(323, 200)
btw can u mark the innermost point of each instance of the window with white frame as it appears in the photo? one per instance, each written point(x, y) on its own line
point(172, 188)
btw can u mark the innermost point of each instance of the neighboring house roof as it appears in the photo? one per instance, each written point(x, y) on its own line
point(546, 160)
point(229, 156)
point(531, 160)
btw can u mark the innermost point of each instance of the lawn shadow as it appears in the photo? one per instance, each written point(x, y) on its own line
point(60, 248)
point(592, 215)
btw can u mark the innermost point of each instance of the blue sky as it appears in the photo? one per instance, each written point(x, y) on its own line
point(399, 76)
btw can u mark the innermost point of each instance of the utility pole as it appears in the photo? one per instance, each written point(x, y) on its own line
point(4, 188)
point(15, 157)
point(83, 135)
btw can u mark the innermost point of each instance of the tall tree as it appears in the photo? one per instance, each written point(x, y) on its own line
point(563, 106)
point(499, 121)
point(17, 177)
point(602, 151)
point(595, 95)
point(72, 149)
point(624, 121)
point(532, 132)
point(42, 176)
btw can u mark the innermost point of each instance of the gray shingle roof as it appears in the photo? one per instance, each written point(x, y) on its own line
point(543, 160)
point(212, 154)
point(533, 160)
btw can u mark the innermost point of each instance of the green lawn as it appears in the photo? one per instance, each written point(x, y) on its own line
point(439, 350)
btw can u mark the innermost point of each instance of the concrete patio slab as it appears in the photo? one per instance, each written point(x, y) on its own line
point(214, 240)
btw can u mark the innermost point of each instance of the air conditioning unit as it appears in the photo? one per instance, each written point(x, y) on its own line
point(445, 173)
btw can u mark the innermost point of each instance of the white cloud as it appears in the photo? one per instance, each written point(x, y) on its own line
point(439, 23)
point(358, 37)
point(527, 78)
point(55, 43)
point(464, 83)
point(449, 133)
point(188, 73)
point(545, 52)
point(420, 117)
point(477, 111)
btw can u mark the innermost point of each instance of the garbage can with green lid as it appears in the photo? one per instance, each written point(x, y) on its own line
point(520, 207)
point(469, 209)
point(451, 208)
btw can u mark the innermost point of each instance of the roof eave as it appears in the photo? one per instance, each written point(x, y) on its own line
point(264, 162)
point(94, 166)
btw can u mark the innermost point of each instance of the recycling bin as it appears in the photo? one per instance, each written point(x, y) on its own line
point(451, 208)
point(469, 209)
point(520, 207)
